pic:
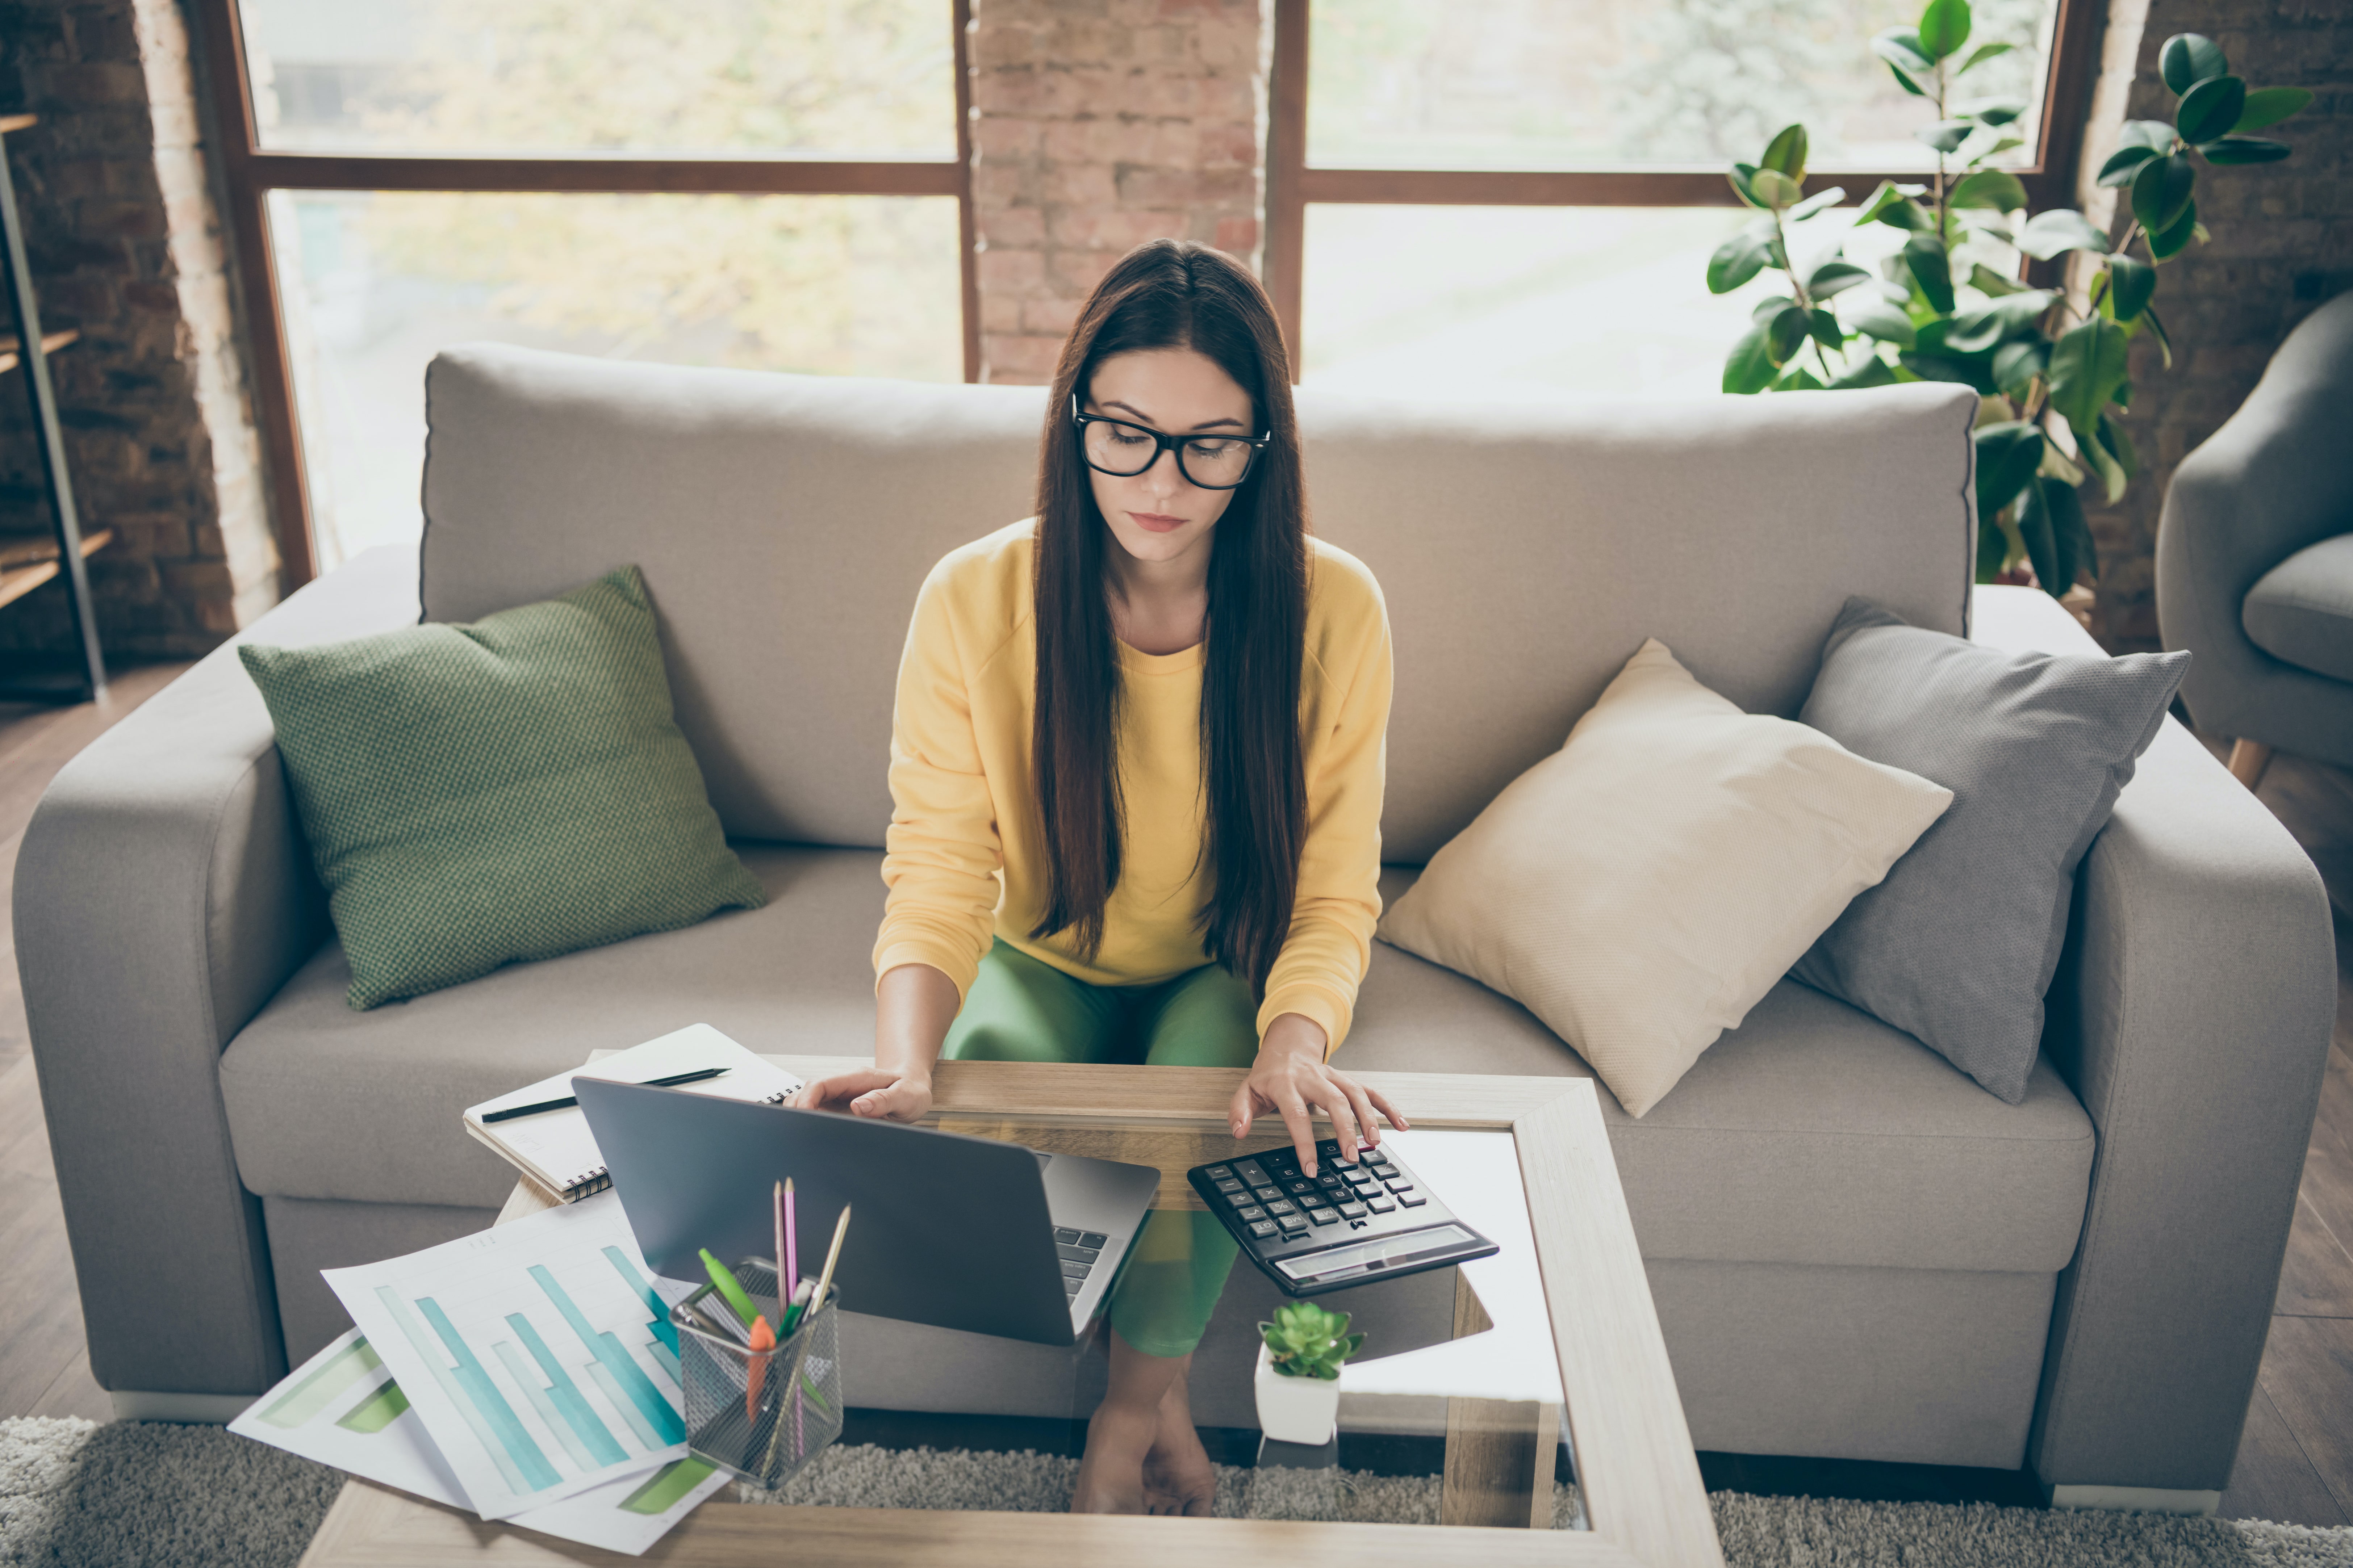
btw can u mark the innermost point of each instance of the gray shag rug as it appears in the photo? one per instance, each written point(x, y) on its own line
point(78, 1495)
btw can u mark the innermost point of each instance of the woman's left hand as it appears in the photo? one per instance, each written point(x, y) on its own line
point(1291, 1079)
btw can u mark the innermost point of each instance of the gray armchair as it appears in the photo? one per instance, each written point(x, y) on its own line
point(2254, 558)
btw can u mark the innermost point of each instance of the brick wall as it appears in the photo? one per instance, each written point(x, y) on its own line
point(1098, 124)
point(2282, 243)
point(126, 244)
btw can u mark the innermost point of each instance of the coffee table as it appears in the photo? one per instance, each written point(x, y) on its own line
point(1640, 1483)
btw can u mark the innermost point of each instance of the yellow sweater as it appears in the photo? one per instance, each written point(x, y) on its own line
point(964, 859)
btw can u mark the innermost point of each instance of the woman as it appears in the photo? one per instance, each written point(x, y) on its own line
point(1136, 767)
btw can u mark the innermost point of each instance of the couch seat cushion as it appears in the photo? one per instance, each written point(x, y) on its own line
point(324, 1103)
point(2302, 609)
point(1812, 1133)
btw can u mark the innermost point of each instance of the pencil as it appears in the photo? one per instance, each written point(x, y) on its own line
point(792, 1258)
point(793, 1374)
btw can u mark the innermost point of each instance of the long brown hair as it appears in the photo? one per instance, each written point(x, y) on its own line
point(1177, 294)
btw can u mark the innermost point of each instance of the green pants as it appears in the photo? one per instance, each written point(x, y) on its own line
point(1019, 1010)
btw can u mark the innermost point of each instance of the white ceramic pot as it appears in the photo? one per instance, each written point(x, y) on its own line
point(1304, 1410)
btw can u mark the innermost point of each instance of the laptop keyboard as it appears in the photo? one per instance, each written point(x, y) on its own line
point(1080, 1251)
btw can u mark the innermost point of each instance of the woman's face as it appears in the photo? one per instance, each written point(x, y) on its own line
point(1159, 514)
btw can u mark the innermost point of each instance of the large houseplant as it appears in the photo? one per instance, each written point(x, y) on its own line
point(1948, 306)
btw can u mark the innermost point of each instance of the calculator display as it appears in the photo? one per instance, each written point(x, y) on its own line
point(1371, 1256)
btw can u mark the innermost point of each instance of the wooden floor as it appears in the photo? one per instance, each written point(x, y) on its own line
point(2295, 1462)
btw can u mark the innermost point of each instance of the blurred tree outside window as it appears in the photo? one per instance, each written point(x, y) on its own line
point(373, 283)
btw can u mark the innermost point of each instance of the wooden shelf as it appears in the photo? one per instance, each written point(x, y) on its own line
point(11, 350)
point(17, 123)
point(26, 566)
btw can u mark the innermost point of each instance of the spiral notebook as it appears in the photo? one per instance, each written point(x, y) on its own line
point(556, 1150)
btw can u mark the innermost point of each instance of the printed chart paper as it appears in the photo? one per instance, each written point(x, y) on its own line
point(343, 1408)
point(539, 1354)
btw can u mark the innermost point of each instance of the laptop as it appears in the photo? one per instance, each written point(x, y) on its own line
point(958, 1232)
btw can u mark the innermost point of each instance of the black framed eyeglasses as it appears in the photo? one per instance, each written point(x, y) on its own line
point(1210, 462)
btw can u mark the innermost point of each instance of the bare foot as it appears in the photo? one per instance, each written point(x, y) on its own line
point(1178, 1476)
point(1111, 1473)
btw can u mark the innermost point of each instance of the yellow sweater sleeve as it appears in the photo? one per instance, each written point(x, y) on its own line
point(942, 851)
point(1339, 902)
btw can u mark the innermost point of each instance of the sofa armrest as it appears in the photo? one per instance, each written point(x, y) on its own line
point(2192, 1016)
point(163, 893)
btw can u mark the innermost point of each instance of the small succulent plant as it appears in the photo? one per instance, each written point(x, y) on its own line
point(1305, 1341)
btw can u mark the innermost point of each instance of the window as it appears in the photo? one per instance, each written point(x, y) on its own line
point(769, 183)
point(1519, 199)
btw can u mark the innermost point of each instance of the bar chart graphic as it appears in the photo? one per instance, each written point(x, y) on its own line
point(539, 1354)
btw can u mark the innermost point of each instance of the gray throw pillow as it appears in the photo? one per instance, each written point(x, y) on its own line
point(1959, 941)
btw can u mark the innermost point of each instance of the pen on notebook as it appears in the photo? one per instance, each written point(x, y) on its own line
point(534, 1109)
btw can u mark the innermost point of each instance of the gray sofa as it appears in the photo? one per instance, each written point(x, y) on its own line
point(2255, 557)
point(1854, 1250)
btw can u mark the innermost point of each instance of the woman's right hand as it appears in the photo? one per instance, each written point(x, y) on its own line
point(868, 1091)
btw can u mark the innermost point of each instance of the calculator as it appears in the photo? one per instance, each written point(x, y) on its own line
point(1346, 1225)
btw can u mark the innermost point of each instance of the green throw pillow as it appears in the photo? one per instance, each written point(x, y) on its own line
point(513, 789)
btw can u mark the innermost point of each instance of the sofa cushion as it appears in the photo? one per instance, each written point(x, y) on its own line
point(1812, 1133)
point(324, 1103)
point(2302, 609)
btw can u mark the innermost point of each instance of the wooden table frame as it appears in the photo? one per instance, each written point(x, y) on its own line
point(1639, 1481)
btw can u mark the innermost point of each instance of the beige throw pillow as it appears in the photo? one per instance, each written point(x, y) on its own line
point(1644, 886)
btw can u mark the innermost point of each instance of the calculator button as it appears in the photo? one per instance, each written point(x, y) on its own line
point(1301, 1185)
point(1281, 1207)
point(1398, 1185)
point(1219, 1172)
point(1373, 1157)
point(1328, 1147)
point(1262, 1229)
point(1310, 1200)
point(1248, 1172)
point(1323, 1217)
point(1295, 1234)
point(1266, 1194)
point(1241, 1200)
point(1381, 1205)
point(1230, 1185)
point(1329, 1180)
point(1351, 1211)
point(1411, 1200)
point(1253, 1214)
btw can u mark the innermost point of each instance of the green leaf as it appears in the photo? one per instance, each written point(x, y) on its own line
point(2087, 365)
point(2119, 445)
point(2210, 109)
point(1785, 153)
point(1766, 309)
point(1932, 270)
point(1981, 54)
point(2008, 455)
point(2154, 134)
point(1869, 371)
point(1824, 329)
point(2188, 59)
point(1816, 203)
point(1883, 322)
point(1894, 205)
point(1943, 27)
point(2161, 192)
point(2122, 163)
point(1748, 368)
point(2001, 112)
point(1786, 333)
point(2034, 532)
point(1774, 189)
point(2244, 149)
point(2069, 535)
point(1985, 280)
point(1978, 331)
point(1993, 550)
point(2157, 329)
point(2100, 461)
point(1902, 48)
point(2001, 145)
point(1973, 374)
point(1944, 135)
point(2049, 234)
point(1736, 260)
point(1903, 79)
point(2270, 105)
point(1996, 188)
point(2168, 243)
point(1835, 277)
point(1798, 379)
point(1740, 176)
point(2015, 365)
point(2131, 281)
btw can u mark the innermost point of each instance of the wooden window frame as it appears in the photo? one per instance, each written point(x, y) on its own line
point(249, 174)
point(1291, 183)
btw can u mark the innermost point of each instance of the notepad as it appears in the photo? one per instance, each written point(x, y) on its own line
point(556, 1150)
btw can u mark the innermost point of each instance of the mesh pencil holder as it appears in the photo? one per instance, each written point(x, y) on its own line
point(762, 1414)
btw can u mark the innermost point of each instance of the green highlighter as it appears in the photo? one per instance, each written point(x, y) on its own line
point(730, 1290)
